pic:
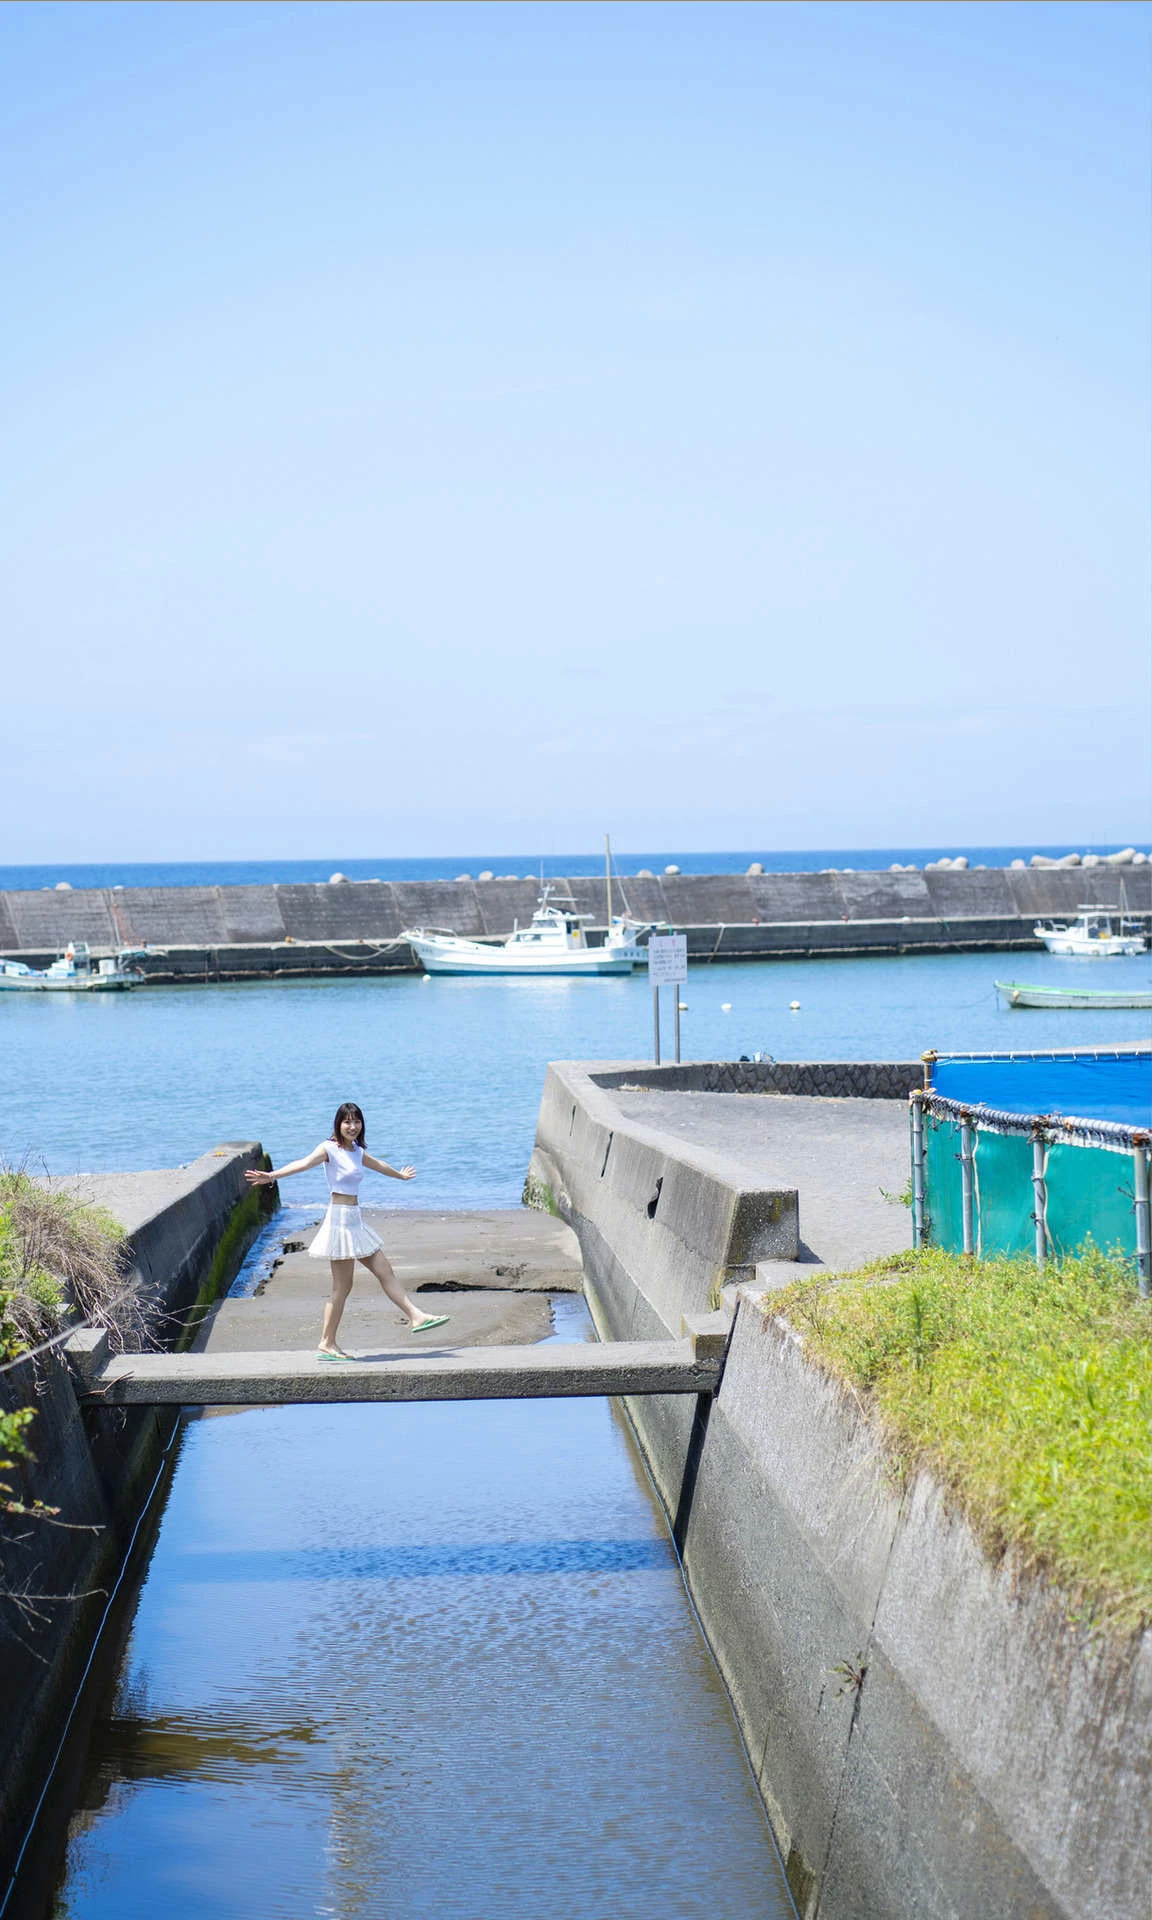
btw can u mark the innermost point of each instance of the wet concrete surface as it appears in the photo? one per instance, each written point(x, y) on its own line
point(491, 1271)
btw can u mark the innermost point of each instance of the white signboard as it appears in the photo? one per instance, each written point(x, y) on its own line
point(668, 959)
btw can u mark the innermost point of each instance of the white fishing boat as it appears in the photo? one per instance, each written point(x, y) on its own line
point(1097, 933)
point(76, 970)
point(1086, 999)
point(554, 942)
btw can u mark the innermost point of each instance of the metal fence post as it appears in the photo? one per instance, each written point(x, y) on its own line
point(676, 1023)
point(655, 1023)
point(916, 1112)
point(968, 1183)
point(1143, 1234)
point(1039, 1197)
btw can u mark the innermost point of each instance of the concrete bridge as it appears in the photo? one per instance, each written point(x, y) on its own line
point(691, 1365)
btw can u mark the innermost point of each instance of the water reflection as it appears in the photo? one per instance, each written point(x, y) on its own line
point(453, 1560)
point(172, 1747)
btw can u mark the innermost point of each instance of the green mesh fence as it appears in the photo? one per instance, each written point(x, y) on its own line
point(1089, 1193)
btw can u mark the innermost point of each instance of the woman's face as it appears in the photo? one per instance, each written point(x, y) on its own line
point(349, 1132)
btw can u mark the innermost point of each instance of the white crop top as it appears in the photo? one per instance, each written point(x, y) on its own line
point(344, 1167)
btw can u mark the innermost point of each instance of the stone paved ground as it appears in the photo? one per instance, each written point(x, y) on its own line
point(491, 1271)
point(838, 1154)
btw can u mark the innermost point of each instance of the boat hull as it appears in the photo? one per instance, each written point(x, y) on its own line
point(36, 983)
point(496, 960)
point(1114, 947)
point(1084, 999)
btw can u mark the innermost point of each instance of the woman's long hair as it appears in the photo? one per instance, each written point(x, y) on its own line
point(348, 1111)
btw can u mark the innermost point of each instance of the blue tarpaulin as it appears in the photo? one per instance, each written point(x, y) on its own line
point(1090, 1086)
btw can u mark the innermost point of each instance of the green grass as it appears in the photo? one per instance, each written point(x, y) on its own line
point(1027, 1394)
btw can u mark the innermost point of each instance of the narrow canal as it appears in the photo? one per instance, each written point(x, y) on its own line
point(412, 1660)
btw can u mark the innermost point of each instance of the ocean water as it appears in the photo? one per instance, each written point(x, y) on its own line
point(449, 1071)
point(235, 873)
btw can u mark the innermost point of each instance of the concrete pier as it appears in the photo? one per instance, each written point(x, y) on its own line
point(355, 927)
point(932, 1733)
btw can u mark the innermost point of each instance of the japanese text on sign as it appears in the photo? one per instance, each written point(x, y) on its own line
point(668, 959)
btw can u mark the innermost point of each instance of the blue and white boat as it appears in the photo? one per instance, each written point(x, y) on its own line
point(76, 970)
point(554, 942)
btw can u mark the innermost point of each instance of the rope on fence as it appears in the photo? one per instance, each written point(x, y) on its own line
point(1110, 1134)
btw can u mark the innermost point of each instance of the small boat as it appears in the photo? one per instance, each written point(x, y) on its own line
point(76, 970)
point(1084, 998)
point(1097, 933)
point(554, 942)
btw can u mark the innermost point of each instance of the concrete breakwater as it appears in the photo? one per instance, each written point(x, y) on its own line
point(232, 933)
point(187, 1230)
point(931, 1734)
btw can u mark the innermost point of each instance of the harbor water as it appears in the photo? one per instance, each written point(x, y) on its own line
point(449, 1070)
point(424, 1660)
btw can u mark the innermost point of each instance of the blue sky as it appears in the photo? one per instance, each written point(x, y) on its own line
point(441, 425)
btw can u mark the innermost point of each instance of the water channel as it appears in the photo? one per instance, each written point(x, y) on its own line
point(420, 1660)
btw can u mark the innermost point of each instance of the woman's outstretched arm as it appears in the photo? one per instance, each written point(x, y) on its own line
point(395, 1173)
point(315, 1159)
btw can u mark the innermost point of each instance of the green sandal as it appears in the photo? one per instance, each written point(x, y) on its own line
point(321, 1355)
point(432, 1320)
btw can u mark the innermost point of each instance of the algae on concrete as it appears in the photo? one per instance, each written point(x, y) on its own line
point(243, 1224)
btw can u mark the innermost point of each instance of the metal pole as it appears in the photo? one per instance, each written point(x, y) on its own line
point(1143, 1235)
point(916, 1110)
point(968, 1185)
point(1040, 1198)
point(655, 1023)
point(676, 1021)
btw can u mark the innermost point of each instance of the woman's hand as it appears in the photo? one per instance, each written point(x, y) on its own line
point(405, 1173)
point(256, 1178)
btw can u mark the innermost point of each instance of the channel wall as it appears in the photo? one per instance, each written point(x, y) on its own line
point(931, 1735)
point(225, 933)
point(98, 1467)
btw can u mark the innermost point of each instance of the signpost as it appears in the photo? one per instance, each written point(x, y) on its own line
point(667, 967)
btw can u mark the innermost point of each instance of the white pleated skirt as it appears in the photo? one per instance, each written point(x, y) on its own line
point(344, 1236)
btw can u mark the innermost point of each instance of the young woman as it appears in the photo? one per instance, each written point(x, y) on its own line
point(344, 1238)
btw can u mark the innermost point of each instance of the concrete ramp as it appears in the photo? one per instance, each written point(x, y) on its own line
point(445, 1373)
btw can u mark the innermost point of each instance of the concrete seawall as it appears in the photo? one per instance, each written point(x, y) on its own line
point(219, 933)
point(97, 1469)
point(930, 1734)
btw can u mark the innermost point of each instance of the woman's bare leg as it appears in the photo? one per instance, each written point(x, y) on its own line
point(341, 1287)
point(379, 1265)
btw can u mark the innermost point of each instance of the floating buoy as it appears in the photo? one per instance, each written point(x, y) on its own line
point(726, 1006)
point(794, 1005)
point(426, 979)
point(683, 1005)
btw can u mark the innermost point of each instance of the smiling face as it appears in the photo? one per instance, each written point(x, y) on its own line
point(348, 1129)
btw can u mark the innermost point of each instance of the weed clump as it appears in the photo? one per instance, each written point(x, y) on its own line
point(1027, 1393)
point(59, 1257)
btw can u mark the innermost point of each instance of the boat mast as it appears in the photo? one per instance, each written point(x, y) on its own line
point(608, 879)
